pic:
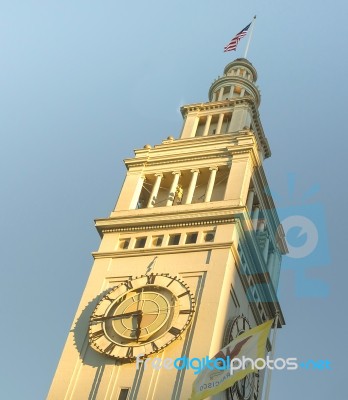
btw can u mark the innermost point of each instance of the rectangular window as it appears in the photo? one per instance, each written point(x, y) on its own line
point(124, 244)
point(140, 242)
point(191, 238)
point(123, 394)
point(209, 236)
point(174, 240)
point(157, 241)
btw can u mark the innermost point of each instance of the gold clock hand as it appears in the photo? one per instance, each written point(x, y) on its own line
point(118, 316)
point(141, 301)
point(161, 310)
point(138, 328)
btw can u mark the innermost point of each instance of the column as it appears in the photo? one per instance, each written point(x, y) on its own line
point(219, 124)
point(231, 92)
point(192, 187)
point(229, 128)
point(270, 263)
point(173, 187)
point(194, 127)
point(211, 182)
point(207, 125)
point(137, 193)
point(250, 200)
point(239, 118)
point(190, 126)
point(255, 217)
point(221, 93)
point(155, 189)
point(265, 249)
point(261, 225)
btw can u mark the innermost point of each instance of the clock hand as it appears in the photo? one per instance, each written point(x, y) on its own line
point(160, 310)
point(118, 316)
point(138, 328)
point(141, 301)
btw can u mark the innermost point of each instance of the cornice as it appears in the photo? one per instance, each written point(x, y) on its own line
point(145, 227)
point(248, 100)
point(213, 105)
point(179, 216)
point(201, 148)
point(176, 158)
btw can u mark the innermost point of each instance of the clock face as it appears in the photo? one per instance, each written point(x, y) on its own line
point(248, 387)
point(141, 316)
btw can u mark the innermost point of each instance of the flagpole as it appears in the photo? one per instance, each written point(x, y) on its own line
point(249, 38)
point(269, 371)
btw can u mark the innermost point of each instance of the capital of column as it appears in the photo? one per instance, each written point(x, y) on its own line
point(213, 168)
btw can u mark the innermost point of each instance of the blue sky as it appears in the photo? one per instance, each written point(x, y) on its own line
point(84, 83)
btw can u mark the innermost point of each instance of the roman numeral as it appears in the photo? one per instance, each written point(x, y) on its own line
point(173, 279)
point(128, 285)
point(130, 352)
point(174, 331)
point(110, 348)
point(185, 312)
point(154, 346)
point(151, 279)
point(96, 335)
point(96, 318)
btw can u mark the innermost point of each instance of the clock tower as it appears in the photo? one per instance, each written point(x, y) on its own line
point(189, 257)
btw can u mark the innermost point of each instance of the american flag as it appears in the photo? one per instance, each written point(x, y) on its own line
point(234, 42)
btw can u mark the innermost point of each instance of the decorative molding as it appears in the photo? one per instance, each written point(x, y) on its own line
point(175, 249)
point(216, 104)
point(175, 158)
point(169, 225)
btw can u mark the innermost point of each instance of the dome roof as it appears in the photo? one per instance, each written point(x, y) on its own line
point(241, 62)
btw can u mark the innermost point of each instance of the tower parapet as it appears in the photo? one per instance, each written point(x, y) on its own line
point(232, 108)
point(238, 81)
